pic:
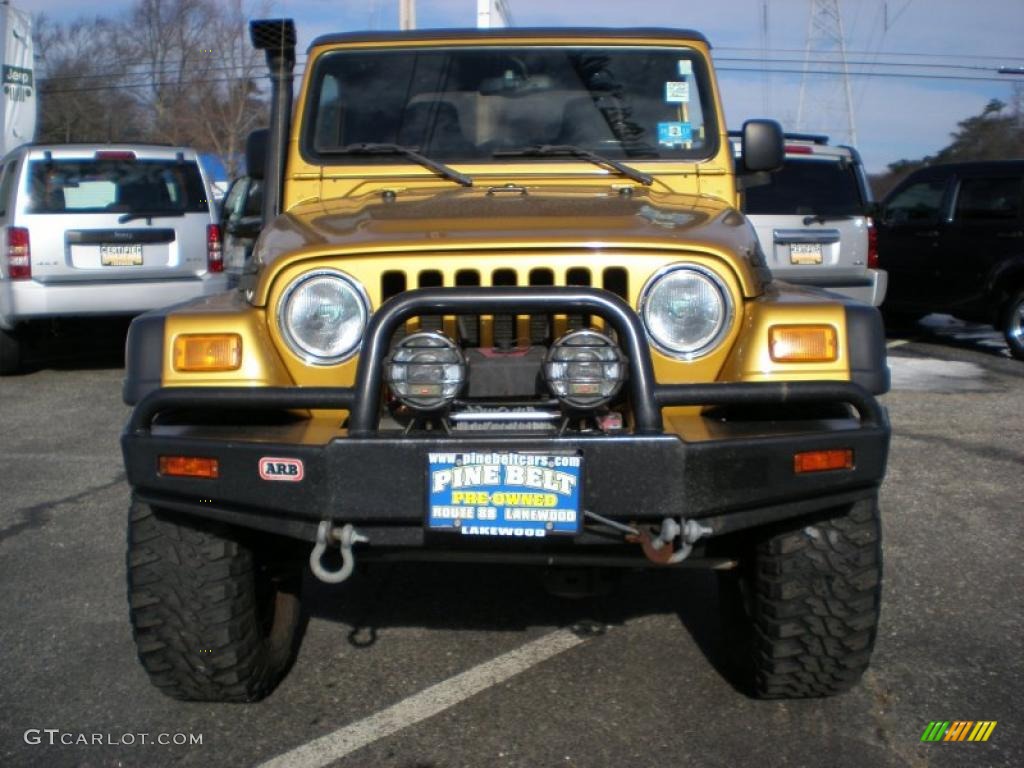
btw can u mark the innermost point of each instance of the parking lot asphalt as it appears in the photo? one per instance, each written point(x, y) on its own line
point(423, 666)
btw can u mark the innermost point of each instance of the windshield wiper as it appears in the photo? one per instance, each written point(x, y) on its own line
point(550, 150)
point(126, 217)
point(371, 148)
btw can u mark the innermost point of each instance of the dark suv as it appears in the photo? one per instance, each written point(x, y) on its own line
point(952, 240)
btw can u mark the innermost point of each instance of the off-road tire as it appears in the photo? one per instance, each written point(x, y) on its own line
point(209, 622)
point(814, 594)
point(10, 352)
point(1013, 324)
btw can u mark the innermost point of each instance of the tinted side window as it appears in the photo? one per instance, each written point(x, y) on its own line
point(919, 202)
point(808, 187)
point(988, 199)
point(233, 201)
point(6, 184)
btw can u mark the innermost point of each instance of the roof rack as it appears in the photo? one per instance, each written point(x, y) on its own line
point(816, 138)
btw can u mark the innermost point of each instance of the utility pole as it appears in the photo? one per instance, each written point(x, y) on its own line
point(493, 13)
point(406, 14)
point(820, 105)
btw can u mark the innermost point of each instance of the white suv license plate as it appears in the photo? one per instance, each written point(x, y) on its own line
point(121, 255)
point(805, 253)
point(504, 493)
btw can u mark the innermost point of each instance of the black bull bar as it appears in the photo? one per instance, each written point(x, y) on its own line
point(647, 397)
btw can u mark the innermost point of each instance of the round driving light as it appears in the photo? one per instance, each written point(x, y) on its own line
point(584, 369)
point(426, 371)
point(322, 316)
point(686, 310)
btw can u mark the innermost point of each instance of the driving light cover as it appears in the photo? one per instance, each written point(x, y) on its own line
point(201, 353)
point(686, 310)
point(426, 371)
point(322, 316)
point(803, 343)
point(584, 369)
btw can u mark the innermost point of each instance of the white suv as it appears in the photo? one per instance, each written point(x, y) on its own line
point(813, 220)
point(90, 230)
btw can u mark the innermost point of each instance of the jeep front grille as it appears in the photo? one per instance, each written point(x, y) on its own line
point(503, 331)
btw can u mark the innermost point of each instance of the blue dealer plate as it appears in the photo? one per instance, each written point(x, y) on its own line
point(503, 493)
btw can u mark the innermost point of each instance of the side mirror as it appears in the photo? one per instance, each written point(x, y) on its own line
point(256, 153)
point(762, 147)
point(246, 228)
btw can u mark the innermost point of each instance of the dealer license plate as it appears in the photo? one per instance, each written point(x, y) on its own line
point(503, 493)
point(805, 253)
point(121, 255)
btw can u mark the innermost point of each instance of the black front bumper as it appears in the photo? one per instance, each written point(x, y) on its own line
point(731, 474)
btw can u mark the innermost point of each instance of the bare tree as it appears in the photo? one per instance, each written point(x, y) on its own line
point(80, 96)
point(230, 106)
point(174, 71)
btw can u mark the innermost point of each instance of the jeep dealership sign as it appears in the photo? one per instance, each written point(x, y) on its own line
point(19, 82)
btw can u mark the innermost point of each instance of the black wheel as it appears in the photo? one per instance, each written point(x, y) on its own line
point(812, 599)
point(1013, 324)
point(10, 352)
point(209, 621)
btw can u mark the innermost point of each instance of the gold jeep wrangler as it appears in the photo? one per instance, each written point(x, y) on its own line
point(503, 309)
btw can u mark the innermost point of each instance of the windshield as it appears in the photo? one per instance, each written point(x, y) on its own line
point(115, 186)
point(808, 187)
point(468, 103)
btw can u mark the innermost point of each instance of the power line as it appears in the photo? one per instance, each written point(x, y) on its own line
point(908, 75)
point(991, 57)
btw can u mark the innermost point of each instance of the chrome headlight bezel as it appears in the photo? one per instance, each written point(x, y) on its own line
point(301, 350)
point(687, 352)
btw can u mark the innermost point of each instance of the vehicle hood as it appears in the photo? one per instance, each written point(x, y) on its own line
point(480, 218)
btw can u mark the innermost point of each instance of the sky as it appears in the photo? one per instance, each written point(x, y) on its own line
point(895, 116)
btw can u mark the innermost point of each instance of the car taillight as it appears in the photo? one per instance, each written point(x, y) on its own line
point(872, 245)
point(19, 254)
point(214, 248)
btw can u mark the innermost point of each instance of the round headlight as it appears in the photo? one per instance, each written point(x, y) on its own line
point(323, 315)
point(426, 371)
point(686, 310)
point(584, 369)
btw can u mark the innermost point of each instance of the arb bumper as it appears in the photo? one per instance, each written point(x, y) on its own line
point(725, 469)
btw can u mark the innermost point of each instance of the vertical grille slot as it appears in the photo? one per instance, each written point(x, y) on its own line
point(616, 280)
point(468, 325)
point(504, 325)
point(392, 284)
point(539, 326)
point(613, 279)
point(577, 276)
point(432, 278)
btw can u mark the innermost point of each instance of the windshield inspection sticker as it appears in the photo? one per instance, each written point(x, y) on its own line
point(674, 134)
point(685, 67)
point(677, 92)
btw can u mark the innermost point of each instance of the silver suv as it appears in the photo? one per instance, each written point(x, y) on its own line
point(813, 220)
point(90, 230)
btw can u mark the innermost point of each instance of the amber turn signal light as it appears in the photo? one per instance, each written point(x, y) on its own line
point(199, 353)
point(189, 466)
point(803, 343)
point(820, 461)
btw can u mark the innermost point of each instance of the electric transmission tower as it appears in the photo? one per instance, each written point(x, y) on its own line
point(826, 102)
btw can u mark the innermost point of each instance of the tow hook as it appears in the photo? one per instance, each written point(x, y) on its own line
point(660, 549)
point(325, 536)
